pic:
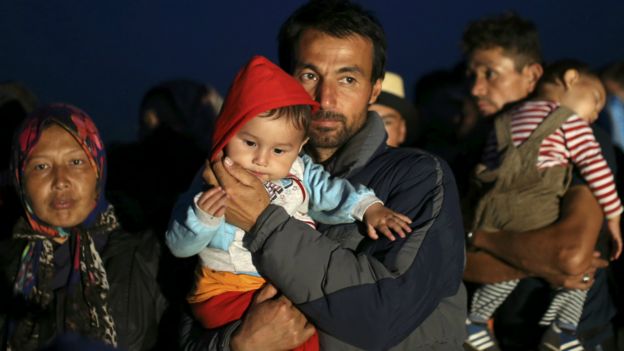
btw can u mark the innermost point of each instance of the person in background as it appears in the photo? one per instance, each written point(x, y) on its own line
point(16, 102)
point(504, 64)
point(526, 170)
point(69, 267)
point(398, 114)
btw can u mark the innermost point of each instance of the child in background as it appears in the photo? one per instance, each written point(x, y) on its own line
point(262, 127)
point(527, 166)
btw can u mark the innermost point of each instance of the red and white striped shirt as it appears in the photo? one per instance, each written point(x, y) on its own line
point(573, 141)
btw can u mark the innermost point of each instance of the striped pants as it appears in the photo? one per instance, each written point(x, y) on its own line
point(566, 307)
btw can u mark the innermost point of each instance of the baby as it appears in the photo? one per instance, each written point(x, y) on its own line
point(262, 127)
point(527, 166)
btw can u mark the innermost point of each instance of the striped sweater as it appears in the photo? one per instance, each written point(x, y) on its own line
point(573, 142)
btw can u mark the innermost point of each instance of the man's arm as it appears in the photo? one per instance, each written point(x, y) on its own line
point(563, 248)
point(373, 298)
point(270, 323)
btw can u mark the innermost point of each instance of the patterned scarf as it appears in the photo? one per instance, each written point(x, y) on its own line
point(86, 309)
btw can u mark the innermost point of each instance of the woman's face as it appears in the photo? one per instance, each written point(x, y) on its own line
point(59, 180)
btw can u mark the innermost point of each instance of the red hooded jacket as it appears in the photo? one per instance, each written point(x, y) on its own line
point(260, 86)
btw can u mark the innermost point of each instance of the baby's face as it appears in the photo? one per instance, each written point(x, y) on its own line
point(266, 147)
point(586, 97)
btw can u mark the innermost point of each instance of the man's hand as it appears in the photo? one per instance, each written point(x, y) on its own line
point(271, 324)
point(246, 196)
point(582, 281)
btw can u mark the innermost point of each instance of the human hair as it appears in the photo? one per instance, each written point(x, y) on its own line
point(337, 18)
point(517, 37)
point(554, 72)
point(297, 115)
point(614, 72)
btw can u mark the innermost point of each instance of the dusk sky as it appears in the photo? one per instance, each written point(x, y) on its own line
point(103, 55)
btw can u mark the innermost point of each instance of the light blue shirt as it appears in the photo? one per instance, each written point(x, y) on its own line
point(332, 201)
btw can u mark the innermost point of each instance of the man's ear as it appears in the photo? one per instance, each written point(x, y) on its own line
point(532, 72)
point(376, 91)
point(570, 77)
point(303, 144)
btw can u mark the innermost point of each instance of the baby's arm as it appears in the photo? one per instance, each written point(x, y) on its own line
point(616, 236)
point(190, 230)
point(335, 200)
point(587, 156)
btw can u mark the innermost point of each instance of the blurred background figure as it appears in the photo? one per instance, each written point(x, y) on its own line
point(176, 120)
point(398, 114)
point(450, 122)
point(613, 119)
point(16, 101)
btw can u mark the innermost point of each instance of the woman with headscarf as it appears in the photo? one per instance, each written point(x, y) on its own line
point(69, 267)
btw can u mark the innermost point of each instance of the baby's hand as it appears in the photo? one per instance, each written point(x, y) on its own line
point(213, 201)
point(616, 236)
point(379, 218)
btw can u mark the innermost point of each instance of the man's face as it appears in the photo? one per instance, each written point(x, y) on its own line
point(336, 72)
point(496, 81)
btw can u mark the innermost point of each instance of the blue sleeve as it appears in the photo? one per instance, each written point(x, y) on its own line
point(187, 235)
point(334, 200)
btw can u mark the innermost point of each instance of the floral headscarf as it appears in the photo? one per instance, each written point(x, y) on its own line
point(87, 283)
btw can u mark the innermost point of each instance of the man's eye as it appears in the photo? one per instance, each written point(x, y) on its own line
point(489, 74)
point(278, 151)
point(250, 143)
point(348, 80)
point(308, 76)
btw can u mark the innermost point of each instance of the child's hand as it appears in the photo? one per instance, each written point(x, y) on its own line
point(379, 218)
point(616, 236)
point(213, 201)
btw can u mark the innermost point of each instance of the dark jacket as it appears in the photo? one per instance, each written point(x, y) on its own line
point(131, 263)
point(374, 295)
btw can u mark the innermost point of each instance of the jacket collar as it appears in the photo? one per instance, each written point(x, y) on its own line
point(362, 146)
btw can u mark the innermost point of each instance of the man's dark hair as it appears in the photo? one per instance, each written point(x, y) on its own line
point(338, 19)
point(298, 115)
point(518, 38)
point(614, 72)
point(555, 71)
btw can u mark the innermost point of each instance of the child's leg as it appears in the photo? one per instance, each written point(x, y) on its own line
point(488, 298)
point(566, 308)
point(484, 303)
point(563, 316)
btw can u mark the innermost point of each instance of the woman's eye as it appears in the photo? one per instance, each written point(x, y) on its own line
point(41, 167)
point(489, 74)
point(250, 143)
point(278, 151)
point(77, 162)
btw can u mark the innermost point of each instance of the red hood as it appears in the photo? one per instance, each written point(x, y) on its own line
point(260, 86)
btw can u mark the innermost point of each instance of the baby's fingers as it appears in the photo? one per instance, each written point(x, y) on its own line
point(372, 233)
point(403, 217)
point(210, 201)
point(383, 228)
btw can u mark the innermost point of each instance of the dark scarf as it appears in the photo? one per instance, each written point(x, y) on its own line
point(356, 153)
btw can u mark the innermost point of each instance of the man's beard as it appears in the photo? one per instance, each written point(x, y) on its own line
point(323, 137)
